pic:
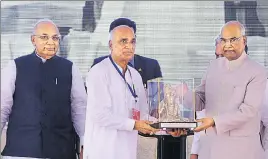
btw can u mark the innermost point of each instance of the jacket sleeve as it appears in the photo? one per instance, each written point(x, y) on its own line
point(157, 70)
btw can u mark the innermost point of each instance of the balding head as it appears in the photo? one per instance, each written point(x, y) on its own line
point(42, 22)
point(233, 40)
point(46, 38)
point(234, 27)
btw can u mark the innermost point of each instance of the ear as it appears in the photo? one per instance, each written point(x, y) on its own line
point(110, 44)
point(245, 40)
point(33, 40)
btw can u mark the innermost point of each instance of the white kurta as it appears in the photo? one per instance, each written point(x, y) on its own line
point(197, 135)
point(109, 130)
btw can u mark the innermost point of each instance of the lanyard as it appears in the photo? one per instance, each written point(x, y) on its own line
point(132, 90)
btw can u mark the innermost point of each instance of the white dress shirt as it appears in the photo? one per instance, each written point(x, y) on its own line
point(197, 135)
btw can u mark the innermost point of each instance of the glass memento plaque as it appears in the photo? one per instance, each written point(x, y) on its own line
point(172, 103)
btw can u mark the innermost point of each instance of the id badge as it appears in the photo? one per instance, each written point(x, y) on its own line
point(135, 114)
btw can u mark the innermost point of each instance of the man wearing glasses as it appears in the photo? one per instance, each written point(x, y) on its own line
point(43, 100)
point(232, 92)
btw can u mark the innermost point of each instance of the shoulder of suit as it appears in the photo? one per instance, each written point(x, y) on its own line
point(133, 70)
point(23, 57)
point(147, 59)
point(64, 60)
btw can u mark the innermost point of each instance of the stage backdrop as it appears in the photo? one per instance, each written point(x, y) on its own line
point(180, 35)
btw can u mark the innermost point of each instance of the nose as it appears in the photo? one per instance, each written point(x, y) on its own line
point(228, 43)
point(129, 45)
point(50, 41)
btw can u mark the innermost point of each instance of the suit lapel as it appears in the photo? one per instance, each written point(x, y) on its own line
point(138, 64)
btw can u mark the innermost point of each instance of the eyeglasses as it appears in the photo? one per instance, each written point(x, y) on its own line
point(232, 40)
point(46, 37)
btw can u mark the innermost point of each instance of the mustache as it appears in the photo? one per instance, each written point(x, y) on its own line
point(128, 51)
point(227, 50)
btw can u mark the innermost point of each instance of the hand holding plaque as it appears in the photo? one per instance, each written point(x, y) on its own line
point(144, 127)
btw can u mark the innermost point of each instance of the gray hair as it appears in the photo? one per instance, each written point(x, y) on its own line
point(217, 40)
point(112, 31)
point(43, 21)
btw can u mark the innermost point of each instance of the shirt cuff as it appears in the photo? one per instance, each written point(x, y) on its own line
point(194, 149)
point(129, 124)
point(81, 141)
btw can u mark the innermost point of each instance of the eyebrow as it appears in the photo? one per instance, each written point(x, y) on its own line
point(52, 35)
point(229, 38)
point(127, 39)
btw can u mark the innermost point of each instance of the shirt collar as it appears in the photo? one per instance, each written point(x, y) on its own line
point(43, 60)
point(120, 68)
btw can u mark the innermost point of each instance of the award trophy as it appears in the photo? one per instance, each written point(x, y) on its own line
point(171, 106)
point(172, 103)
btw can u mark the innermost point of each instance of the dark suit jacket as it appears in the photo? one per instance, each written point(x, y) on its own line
point(147, 67)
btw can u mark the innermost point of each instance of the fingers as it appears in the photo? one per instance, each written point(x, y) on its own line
point(145, 128)
point(200, 128)
point(151, 129)
point(148, 122)
point(177, 132)
point(184, 132)
point(199, 120)
point(145, 131)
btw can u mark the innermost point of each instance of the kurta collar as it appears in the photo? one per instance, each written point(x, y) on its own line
point(231, 65)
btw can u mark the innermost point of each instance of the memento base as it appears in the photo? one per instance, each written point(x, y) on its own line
point(172, 125)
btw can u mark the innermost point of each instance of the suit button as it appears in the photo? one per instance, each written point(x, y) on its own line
point(43, 126)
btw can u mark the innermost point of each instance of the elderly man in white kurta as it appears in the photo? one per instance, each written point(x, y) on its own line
point(116, 101)
point(232, 92)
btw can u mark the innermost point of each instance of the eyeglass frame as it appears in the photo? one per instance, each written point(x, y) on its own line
point(231, 40)
point(48, 37)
